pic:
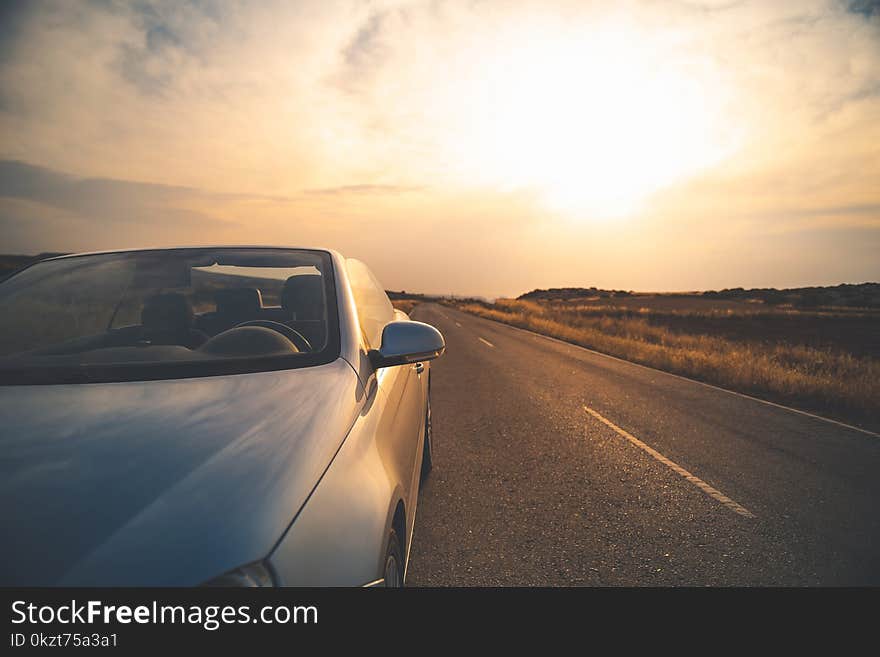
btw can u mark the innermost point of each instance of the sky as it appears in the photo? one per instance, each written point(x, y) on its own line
point(471, 147)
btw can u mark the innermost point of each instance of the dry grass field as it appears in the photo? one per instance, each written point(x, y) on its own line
point(406, 305)
point(825, 360)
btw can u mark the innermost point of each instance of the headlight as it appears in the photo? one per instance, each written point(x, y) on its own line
point(253, 575)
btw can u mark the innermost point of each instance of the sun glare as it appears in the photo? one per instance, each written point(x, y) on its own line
point(595, 124)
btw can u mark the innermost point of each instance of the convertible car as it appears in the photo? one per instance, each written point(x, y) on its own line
point(242, 416)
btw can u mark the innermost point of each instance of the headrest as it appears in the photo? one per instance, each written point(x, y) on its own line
point(240, 301)
point(304, 295)
point(170, 311)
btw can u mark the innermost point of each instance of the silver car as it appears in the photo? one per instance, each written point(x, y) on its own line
point(233, 416)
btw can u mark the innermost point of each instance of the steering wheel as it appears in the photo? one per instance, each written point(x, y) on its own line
point(297, 338)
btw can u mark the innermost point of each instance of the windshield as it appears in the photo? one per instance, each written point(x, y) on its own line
point(167, 314)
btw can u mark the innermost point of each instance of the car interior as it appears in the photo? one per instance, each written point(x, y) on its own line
point(240, 324)
point(168, 319)
point(170, 306)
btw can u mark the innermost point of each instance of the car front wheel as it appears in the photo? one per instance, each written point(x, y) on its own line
point(393, 572)
point(428, 448)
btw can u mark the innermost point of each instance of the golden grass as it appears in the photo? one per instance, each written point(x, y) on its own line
point(823, 379)
point(406, 305)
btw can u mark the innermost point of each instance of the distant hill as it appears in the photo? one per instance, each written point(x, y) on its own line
point(573, 293)
point(861, 295)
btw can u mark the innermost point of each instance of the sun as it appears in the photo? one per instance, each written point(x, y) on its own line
point(596, 123)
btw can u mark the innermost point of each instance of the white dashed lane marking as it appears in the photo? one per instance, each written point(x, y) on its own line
point(696, 481)
point(486, 342)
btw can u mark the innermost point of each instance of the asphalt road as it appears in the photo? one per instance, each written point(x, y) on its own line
point(555, 465)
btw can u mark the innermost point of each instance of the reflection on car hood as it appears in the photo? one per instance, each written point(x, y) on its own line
point(162, 482)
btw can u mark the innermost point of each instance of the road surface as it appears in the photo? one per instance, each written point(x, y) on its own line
point(555, 465)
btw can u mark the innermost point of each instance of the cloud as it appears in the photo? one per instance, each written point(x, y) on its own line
point(102, 199)
point(270, 98)
point(46, 208)
point(364, 48)
point(868, 209)
point(26, 181)
point(345, 190)
point(867, 8)
point(279, 121)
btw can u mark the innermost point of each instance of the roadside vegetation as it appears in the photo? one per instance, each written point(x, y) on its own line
point(406, 301)
point(406, 305)
point(824, 360)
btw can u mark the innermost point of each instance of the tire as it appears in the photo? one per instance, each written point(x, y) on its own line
point(393, 568)
point(428, 447)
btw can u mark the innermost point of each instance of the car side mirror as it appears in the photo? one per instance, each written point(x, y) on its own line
point(407, 342)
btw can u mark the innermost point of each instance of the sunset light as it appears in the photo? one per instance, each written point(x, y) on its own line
point(645, 145)
point(596, 121)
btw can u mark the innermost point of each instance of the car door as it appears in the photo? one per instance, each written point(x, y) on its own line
point(401, 386)
point(412, 409)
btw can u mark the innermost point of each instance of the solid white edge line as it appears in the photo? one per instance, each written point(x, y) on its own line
point(683, 378)
point(711, 491)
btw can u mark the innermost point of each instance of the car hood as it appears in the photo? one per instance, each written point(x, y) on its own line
point(162, 482)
